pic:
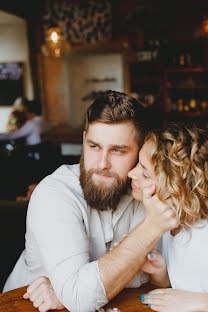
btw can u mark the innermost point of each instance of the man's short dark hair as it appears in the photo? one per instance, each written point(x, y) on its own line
point(116, 107)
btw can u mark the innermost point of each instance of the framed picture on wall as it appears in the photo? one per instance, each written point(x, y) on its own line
point(11, 82)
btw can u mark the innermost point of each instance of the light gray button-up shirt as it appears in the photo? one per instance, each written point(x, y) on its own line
point(65, 237)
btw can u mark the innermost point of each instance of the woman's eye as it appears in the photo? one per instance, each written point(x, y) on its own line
point(144, 175)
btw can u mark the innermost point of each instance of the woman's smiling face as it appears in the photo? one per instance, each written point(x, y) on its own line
point(143, 174)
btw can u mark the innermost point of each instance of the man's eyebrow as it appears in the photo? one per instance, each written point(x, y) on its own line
point(92, 142)
point(121, 146)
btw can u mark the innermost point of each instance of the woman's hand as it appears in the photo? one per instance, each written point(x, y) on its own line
point(159, 215)
point(41, 293)
point(155, 265)
point(171, 300)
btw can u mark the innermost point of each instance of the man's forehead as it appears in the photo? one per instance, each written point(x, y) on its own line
point(102, 126)
point(113, 134)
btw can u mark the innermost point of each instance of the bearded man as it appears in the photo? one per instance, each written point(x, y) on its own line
point(76, 214)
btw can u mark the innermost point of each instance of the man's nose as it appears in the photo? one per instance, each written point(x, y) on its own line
point(104, 162)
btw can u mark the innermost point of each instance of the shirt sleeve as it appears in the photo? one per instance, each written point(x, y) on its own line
point(17, 134)
point(57, 224)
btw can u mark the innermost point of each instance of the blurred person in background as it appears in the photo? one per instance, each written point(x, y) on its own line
point(33, 127)
point(16, 120)
point(23, 155)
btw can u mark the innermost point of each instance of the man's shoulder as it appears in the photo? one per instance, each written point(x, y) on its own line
point(65, 175)
point(60, 189)
point(64, 180)
point(67, 170)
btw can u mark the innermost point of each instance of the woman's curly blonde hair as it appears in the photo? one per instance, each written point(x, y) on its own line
point(180, 159)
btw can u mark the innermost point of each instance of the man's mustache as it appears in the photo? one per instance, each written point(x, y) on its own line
point(103, 172)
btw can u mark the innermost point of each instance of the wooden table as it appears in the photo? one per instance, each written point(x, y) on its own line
point(127, 301)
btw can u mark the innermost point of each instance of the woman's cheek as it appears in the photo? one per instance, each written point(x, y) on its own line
point(146, 183)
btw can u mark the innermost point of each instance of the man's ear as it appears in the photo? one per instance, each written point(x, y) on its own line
point(83, 136)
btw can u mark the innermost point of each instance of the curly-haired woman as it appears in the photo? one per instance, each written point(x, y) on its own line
point(175, 160)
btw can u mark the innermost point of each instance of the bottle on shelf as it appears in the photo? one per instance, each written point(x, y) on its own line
point(180, 105)
point(188, 61)
point(182, 59)
point(186, 106)
point(193, 105)
point(204, 106)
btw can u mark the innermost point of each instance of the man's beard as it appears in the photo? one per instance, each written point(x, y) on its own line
point(99, 195)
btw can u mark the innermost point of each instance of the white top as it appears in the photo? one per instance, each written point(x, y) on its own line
point(186, 257)
point(65, 237)
point(31, 131)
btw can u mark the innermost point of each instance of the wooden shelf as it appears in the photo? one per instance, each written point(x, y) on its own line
point(103, 46)
point(186, 69)
point(189, 114)
point(169, 84)
point(148, 63)
point(154, 80)
point(188, 88)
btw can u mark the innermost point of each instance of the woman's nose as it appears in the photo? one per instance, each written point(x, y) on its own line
point(132, 173)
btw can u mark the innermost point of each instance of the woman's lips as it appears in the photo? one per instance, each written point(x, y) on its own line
point(134, 187)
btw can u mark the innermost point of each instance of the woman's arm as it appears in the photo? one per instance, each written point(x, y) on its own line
point(171, 300)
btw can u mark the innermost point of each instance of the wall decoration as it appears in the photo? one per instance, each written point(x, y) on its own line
point(81, 23)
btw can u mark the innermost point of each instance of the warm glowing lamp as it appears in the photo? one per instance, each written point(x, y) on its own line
point(54, 37)
point(55, 45)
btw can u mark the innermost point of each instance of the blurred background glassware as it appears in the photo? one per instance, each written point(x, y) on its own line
point(144, 56)
point(180, 105)
point(193, 105)
point(149, 100)
point(182, 59)
point(204, 105)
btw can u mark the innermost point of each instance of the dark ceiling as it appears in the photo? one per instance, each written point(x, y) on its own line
point(23, 8)
point(161, 16)
point(183, 8)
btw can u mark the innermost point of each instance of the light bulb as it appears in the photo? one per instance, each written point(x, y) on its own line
point(54, 37)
